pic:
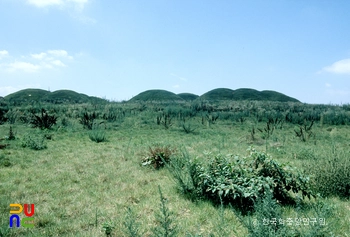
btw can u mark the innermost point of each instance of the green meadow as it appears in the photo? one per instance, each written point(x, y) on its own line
point(129, 168)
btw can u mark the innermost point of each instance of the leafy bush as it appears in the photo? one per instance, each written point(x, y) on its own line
point(332, 176)
point(158, 155)
point(97, 135)
point(239, 181)
point(34, 142)
point(87, 120)
point(43, 121)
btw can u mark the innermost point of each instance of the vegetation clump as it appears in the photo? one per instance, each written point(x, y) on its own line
point(157, 156)
point(240, 181)
point(43, 121)
point(34, 142)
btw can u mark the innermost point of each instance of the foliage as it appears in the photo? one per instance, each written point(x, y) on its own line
point(87, 119)
point(131, 225)
point(4, 161)
point(240, 181)
point(97, 134)
point(305, 131)
point(188, 127)
point(158, 155)
point(332, 175)
point(165, 221)
point(11, 135)
point(45, 121)
point(34, 142)
point(108, 227)
point(269, 220)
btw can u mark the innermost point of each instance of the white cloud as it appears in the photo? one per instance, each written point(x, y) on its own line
point(50, 59)
point(176, 86)
point(77, 4)
point(3, 53)
point(45, 3)
point(339, 67)
point(22, 66)
point(39, 56)
point(59, 53)
point(328, 85)
point(58, 63)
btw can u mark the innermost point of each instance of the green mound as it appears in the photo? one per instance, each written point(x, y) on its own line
point(26, 96)
point(245, 94)
point(66, 96)
point(218, 94)
point(188, 96)
point(156, 95)
point(57, 97)
point(276, 96)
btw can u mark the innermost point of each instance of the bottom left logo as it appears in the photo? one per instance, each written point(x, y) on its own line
point(27, 221)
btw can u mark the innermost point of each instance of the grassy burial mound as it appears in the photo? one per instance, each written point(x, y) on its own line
point(26, 96)
point(157, 96)
point(188, 96)
point(245, 94)
point(57, 97)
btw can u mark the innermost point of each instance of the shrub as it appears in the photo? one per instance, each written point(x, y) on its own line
point(43, 121)
point(188, 127)
point(240, 181)
point(332, 175)
point(34, 142)
point(158, 155)
point(87, 120)
point(97, 135)
point(269, 221)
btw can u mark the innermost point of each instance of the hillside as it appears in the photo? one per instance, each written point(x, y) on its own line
point(57, 97)
point(245, 94)
point(156, 95)
point(188, 96)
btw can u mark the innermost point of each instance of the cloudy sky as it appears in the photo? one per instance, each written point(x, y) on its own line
point(117, 49)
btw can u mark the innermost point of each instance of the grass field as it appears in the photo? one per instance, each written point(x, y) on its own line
point(78, 185)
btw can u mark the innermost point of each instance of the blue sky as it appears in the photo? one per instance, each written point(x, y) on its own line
point(117, 49)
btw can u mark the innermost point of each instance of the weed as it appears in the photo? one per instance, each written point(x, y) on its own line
point(87, 120)
point(44, 121)
point(165, 222)
point(131, 225)
point(11, 135)
point(158, 155)
point(97, 135)
point(34, 142)
point(108, 227)
point(4, 161)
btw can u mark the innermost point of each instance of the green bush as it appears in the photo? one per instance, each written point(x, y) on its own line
point(43, 121)
point(34, 142)
point(269, 220)
point(97, 135)
point(239, 181)
point(87, 119)
point(332, 175)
